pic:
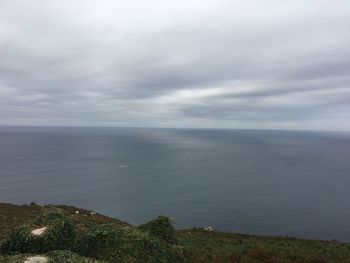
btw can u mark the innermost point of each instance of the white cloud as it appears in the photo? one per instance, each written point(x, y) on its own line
point(256, 64)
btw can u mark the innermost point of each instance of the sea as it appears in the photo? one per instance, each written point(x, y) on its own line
point(261, 182)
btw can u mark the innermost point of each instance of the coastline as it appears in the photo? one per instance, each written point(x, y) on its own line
point(197, 244)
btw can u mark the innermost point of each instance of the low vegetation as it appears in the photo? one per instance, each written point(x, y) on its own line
point(162, 228)
point(203, 246)
point(112, 244)
point(60, 234)
point(100, 241)
point(82, 236)
point(69, 257)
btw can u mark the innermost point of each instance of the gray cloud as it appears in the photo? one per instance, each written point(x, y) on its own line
point(232, 64)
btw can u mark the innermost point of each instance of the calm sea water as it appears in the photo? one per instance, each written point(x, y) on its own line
point(258, 182)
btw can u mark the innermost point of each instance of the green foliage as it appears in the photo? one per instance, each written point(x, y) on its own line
point(101, 241)
point(64, 256)
point(60, 234)
point(50, 218)
point(12, 259)
point(162, 228)
point(150, 242)
point(204, 246)
point(142, 245)
point(18, 241)
point(116, 244)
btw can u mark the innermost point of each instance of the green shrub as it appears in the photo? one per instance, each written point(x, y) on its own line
point(148, 248)
point(50, 218)
point(12, 259)
point(60, 234)
point(63, 256)
point(103, 241)
point(116, 244)
point(151, 242)
point(18, 241)
point(162, 228)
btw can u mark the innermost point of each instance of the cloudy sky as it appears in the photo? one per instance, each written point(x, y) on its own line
point(186, 63)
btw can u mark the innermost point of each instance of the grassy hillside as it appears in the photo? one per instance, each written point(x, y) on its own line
point(12, 216)
point(98, 238)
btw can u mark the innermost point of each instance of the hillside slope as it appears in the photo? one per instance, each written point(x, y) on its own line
point(197, 245)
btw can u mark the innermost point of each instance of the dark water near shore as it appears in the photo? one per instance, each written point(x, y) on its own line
point(259, 182)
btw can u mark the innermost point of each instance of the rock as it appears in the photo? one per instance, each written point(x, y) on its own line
point(77, 212)
point(92, 213)
point(209, 228)
point(39, 231)
point(36, 259)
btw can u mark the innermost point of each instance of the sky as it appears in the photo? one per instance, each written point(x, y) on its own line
point(255, 64)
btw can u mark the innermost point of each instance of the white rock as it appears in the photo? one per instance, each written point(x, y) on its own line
point(92, 213)
point(209, 228)
point(36, 259)
point(77, 212)
point(39, 231)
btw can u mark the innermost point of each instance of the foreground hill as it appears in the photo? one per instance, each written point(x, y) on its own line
point(79, 235)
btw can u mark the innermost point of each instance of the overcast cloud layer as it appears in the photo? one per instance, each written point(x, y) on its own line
point(184, 63)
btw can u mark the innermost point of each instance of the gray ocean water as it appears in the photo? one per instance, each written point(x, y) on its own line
point(254, 182)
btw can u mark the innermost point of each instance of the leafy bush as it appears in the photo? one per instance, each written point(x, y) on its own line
point(63, 256)
point(50, 218)
point(151, 242)
point(60, 234)
point(144, 246)
point(162, 228)
point(12, 259)
point(102, 241)
point(18, 241)
point(116, 244)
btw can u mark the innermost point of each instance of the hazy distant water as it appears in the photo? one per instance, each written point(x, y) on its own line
point(260, 182)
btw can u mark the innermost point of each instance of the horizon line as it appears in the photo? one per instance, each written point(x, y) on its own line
point(170, 128)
